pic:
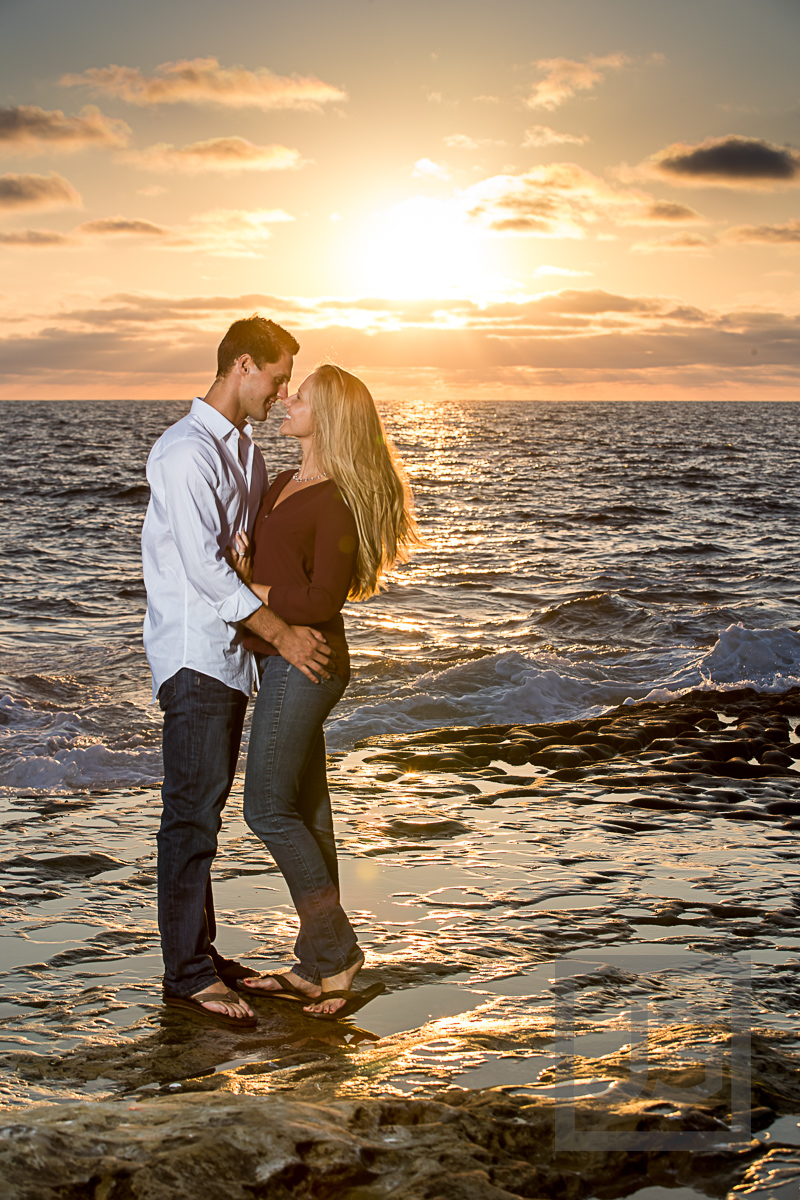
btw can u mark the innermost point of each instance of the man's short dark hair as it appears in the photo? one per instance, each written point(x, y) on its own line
point(263, 340)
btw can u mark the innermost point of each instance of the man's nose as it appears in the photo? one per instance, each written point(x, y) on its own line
point(283, 391)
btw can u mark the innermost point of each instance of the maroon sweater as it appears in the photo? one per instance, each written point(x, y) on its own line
point(305, 549)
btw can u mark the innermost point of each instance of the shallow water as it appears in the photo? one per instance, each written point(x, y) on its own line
point(519, 918)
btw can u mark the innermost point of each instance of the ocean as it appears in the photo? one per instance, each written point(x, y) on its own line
point(577, 556)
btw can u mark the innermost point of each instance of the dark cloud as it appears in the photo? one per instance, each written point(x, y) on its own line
point(770, 235)
point(29, 192)
point(28, 127)
point(727, 162)
point(35, 239)
point(664, 212)
point(127, 226)
point(679, 241)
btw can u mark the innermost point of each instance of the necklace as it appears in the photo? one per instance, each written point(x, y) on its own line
point(309, 478)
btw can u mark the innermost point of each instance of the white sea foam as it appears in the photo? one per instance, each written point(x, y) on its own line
point(55, 751)
point(511, 687)
point(767, 660)
point(60, 751)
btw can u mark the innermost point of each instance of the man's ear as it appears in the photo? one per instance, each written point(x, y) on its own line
point(244, 364)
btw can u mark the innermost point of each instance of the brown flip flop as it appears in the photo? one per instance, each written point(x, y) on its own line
point(285, 990)
point(353, 1001)
point(193, 1005)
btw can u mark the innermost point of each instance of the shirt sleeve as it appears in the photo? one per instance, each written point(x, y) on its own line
point(199, 527)
point(335, 549)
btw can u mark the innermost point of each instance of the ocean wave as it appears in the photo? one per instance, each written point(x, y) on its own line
point(49, 749)
point(512, 687)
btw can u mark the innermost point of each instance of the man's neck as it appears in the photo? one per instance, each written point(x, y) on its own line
point(223, 395)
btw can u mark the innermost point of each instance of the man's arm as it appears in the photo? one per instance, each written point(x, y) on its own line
point(304, 648)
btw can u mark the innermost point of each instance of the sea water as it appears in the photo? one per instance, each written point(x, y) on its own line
point(576, 556)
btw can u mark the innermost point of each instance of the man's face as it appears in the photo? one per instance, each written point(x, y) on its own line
point(260, 387)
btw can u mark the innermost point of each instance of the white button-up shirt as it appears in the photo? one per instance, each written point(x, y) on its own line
point(207, 481)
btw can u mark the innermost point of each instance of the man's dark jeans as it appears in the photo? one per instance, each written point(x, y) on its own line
point(203, 721)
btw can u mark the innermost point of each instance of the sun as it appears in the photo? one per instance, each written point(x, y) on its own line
point(424, 249)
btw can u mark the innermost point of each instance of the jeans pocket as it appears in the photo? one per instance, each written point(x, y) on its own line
point(335, 686)
point(166, 693)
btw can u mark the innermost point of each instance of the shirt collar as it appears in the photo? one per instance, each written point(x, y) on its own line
point(215, 422)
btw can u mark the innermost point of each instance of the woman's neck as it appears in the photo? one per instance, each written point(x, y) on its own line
point(309, 469)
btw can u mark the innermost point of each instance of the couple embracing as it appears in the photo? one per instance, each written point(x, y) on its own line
point(245, 586)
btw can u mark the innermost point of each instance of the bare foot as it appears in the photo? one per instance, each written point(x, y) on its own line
point(272, 983)
point(231, 1008)
point(335, 983)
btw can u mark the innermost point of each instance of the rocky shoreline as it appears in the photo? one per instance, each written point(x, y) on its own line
point(730, 754)
point(231, 1144)
point(294, 1109)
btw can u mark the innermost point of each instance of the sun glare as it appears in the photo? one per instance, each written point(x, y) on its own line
point(424, 249)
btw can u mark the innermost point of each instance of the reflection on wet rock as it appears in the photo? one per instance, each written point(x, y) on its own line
point(594, 911)
point(690, 746)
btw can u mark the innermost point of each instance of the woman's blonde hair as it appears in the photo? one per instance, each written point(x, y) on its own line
point(352, 448)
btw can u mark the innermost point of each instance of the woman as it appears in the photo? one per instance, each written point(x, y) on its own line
point(325, 532)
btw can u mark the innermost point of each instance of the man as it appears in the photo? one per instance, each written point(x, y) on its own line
point(207, 480)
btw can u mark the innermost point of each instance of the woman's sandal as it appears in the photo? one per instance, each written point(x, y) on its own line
point(353, 1001)
point(285, 990)
point(193, 1005)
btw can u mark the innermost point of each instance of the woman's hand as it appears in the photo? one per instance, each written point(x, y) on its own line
point(240, 556)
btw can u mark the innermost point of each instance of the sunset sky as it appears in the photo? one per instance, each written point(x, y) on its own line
point(571, 199)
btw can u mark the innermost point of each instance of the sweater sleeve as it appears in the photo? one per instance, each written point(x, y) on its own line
point(335, 548)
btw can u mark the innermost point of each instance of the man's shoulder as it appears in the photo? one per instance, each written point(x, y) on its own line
point(187, 439)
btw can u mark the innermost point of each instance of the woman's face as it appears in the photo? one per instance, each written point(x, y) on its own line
point(299, 421)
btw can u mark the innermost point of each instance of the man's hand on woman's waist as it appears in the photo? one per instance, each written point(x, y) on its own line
point(301, 646)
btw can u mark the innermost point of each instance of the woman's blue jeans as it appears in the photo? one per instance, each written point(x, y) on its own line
point(287, 804)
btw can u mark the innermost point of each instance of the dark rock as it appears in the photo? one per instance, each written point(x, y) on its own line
point(424, 829)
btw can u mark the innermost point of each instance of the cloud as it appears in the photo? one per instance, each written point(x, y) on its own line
point(551, 345)
point(228, 232)
point(425, 168)
point(120, 227)
point(564, 77)
point(204, 81)
point(222, 233)
point(667, 212)
point(216, 154)
point(560, 200)
point(28, 192)
point(680, 241)
point(734, 162)
point(770, 235)
point(35, 239)
point(543, 135)
point(101, 227)
point(32, 129)
point(460, 141)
